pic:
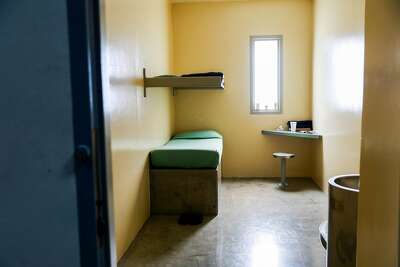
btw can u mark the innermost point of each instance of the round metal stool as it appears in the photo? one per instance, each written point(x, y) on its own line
point(283, 157)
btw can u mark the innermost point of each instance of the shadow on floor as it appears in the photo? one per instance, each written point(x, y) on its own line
point(296, 184)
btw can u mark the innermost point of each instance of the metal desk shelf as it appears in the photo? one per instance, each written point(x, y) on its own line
point(292, 134)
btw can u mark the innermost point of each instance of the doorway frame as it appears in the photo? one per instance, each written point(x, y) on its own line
point(91, 131)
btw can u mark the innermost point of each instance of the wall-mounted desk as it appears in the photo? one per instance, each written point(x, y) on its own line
point(292, 134)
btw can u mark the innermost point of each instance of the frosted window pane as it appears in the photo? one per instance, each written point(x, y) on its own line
point(265, 75)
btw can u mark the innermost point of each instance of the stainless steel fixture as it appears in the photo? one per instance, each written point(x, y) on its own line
point(342, 224)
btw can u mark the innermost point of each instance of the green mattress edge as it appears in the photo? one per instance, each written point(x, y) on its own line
point(206, 134)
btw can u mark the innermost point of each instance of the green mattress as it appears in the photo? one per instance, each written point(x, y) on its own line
point(189, 150)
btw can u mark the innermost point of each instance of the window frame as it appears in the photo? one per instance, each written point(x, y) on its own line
point(253, 39)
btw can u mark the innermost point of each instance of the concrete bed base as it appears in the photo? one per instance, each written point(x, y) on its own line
point(177, 191)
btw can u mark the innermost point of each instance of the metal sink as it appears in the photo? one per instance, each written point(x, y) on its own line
point(341, 240)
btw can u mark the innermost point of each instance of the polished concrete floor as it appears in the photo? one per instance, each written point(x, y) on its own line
point(258, 225)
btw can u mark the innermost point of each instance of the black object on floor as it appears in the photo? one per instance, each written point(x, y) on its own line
point(190, 219)
point(323, 233)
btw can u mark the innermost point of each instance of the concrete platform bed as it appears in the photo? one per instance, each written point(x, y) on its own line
point(177, 191)
point(185, 174)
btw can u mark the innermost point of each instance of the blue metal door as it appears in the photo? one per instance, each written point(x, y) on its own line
point(54, 194)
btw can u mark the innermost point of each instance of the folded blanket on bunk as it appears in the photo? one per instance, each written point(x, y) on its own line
point(189, 150)
point(204, 74)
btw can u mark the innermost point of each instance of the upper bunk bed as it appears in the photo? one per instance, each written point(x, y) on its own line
point(206, 80)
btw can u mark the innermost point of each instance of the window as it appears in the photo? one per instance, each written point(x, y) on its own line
point(266, 74)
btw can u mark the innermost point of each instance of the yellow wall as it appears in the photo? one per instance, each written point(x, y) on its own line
point(338, 86)
point(138, 35)
point(378, 225)
point(215, 37)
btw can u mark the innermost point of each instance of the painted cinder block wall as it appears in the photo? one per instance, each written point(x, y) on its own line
point(138, 35)
point(214, 36)
point(338, 72)
point(378, 212)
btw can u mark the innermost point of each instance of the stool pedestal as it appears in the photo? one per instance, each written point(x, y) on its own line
point(283, 158)
point(283, 183)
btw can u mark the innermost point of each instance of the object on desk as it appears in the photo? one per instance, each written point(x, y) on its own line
point(280, 128)
point(293, 125)
point(306, 125)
